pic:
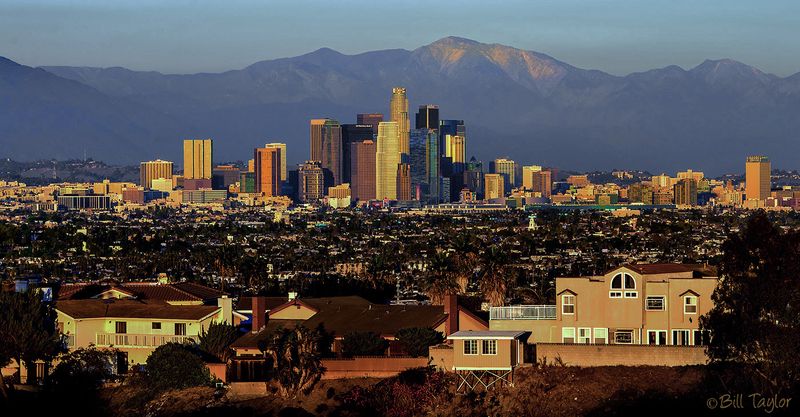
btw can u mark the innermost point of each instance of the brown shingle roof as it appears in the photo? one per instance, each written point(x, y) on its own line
point(342, 315)
point(133, 309)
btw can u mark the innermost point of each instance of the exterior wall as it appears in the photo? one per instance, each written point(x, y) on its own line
point(627, 355)
point(504, 359)
point(84, 332)
point(467, 322)
point(373, 367)
point(595, 309)
point(218, 371)
point(442, 357)
point(293, 312)
point(541, 331)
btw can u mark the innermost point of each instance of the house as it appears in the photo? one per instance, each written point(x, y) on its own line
point(138, 317)
point(632, 305)
point(338, 316)
point(486, 358)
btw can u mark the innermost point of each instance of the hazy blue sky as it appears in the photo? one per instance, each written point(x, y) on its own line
point(617, 36)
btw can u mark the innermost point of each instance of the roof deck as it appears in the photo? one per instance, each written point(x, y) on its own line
point(523, 312)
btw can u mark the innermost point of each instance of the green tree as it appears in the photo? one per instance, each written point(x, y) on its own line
point(364, 344)
point(27, 329)
point(417, 340)
point(296, 366)
point(218, 339)
point(755, 320)
point(83, 370)
point(176, 366)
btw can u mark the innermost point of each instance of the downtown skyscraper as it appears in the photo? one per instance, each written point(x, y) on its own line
point(398, 107)
point(267, 165)
point(757, 177)
point(282, 147)
point(387, 160)
point(197, 157)
point(326, 147)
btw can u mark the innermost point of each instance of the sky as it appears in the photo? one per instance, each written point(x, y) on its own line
point(187, 36)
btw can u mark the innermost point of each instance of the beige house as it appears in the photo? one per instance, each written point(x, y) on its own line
point(645, 304)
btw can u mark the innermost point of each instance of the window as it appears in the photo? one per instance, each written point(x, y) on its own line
point(690, 304)
point(567, 304)
point(601, 335)
point(624, 337)
point(656, 337)
point(654, 303)
point(180, 329)
point(584, 335)
point(700, 337)
point(567, 335)
point(489, 347)
point(623, 284)
point(121, 327)
point(680, 337)
point(156, 325)
point(470, 347)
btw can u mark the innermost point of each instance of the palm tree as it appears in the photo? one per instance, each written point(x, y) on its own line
point(296, 365)
point(439, 278)
point(493, 275)
point(466, 259)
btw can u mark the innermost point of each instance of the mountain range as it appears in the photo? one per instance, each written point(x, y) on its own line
point(516, 103)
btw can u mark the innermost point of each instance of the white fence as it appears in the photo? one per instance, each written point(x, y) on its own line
point(538, 312)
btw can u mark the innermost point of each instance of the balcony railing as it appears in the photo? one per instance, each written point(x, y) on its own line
point(139, 340)
point(540, 312)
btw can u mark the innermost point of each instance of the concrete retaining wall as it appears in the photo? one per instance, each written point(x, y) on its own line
point(628, 355)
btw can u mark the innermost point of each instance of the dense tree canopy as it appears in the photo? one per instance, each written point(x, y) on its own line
point(176, 366)
point(756, 317)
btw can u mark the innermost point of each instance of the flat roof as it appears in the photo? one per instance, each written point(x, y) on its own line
point(486, 334)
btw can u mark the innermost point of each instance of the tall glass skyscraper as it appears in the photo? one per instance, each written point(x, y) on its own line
point(350, 135)
point(428, 117)
point(387, 159)
point(326, 147)
point(398, 107)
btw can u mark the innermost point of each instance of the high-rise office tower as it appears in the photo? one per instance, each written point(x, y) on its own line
point(452, 128)
point(350, 135)
point(685, 192)
point(326, 147)
point(311, 182)
point(543, 183)
point(404, 182)
point(398, 107)
point(418, 147)
point(282, 147)
point(268, 171)
point(370, 119)
point(456, 150)
point(362, 170)
point(427, 117)
point(494, 186)
point(433, 162)
point(197, 157)
point(153, 170)
point(527, 175)
point(757, 172)
point(387, 157)
point(508, 169)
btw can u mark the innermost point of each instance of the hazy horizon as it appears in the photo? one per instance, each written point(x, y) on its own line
point(184, 36)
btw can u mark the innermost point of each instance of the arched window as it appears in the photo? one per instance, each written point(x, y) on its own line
point(623, 284)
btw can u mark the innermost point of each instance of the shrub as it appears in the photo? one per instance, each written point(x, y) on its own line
point(176, 366)
point(417, 340)
point(84, 369)
point(364, 344)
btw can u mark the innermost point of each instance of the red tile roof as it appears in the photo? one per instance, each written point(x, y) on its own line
point(176, 292)
point(133, 309)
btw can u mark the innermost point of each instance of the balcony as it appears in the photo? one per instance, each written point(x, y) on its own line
point(128, 340)
point(539, 312)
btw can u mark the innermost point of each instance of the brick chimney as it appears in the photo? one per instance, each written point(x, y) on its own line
point(259, 313)
point(451, 310)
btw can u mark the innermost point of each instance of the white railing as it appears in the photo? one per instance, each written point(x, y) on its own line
point(139, 340)
point(540, 312)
